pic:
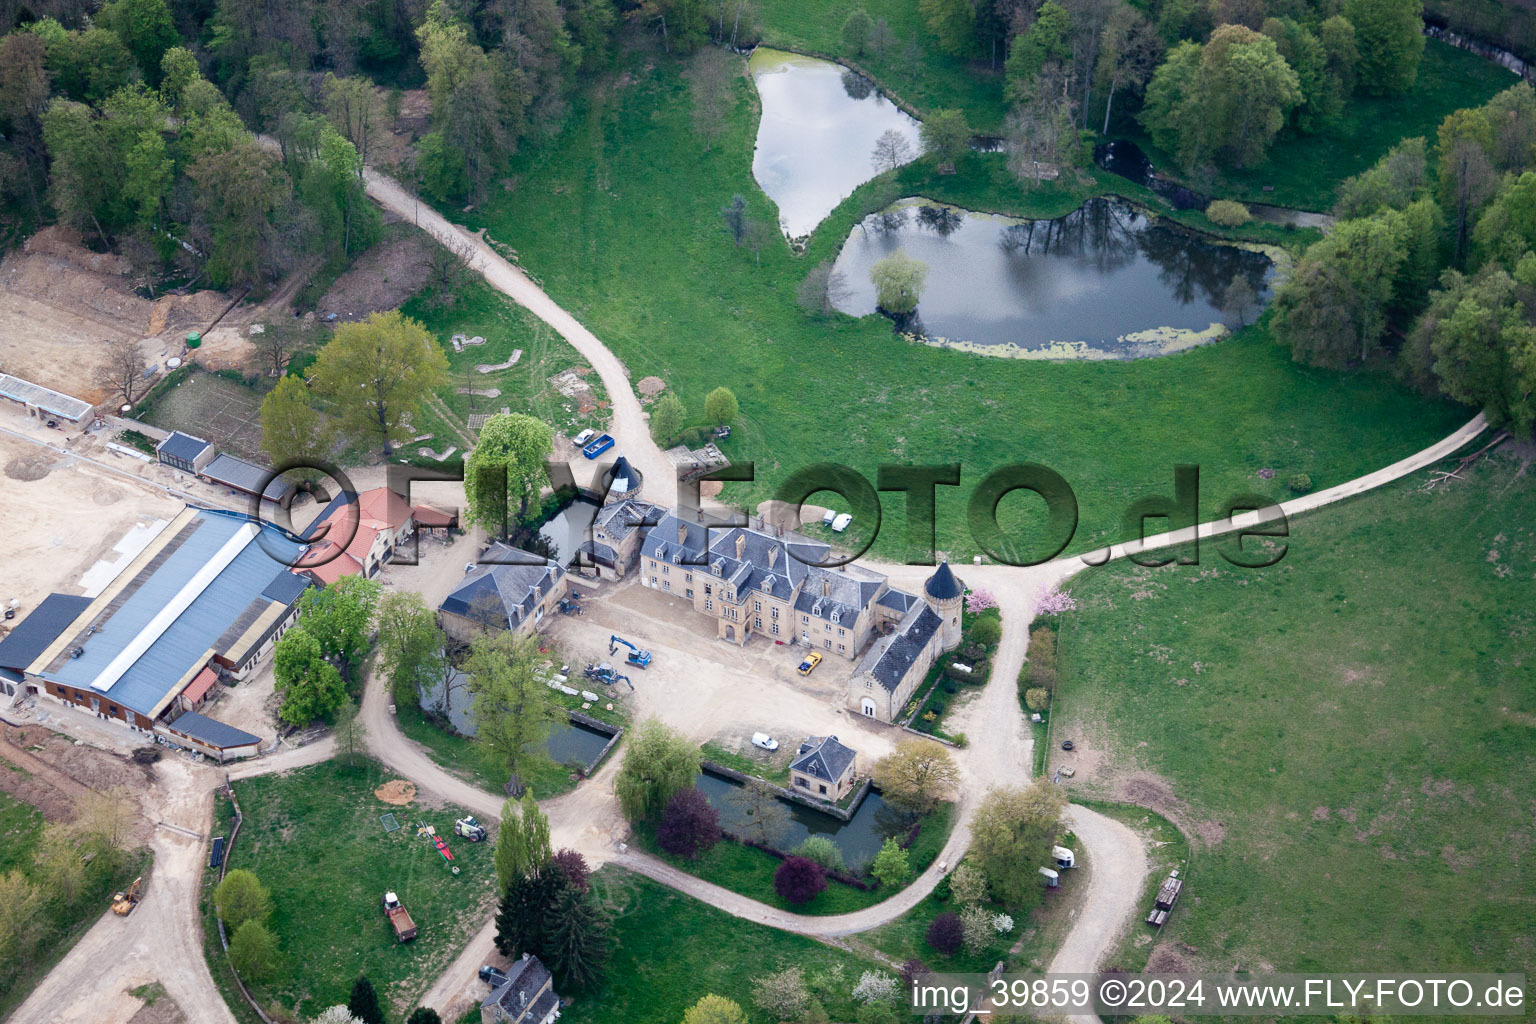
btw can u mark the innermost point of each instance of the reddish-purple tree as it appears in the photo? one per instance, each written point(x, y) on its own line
point(688, 826)
point(945, 933)
point(574, 867)
point(913, 971)
point(799, 879)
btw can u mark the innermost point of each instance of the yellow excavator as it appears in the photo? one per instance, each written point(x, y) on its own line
point(124, 902)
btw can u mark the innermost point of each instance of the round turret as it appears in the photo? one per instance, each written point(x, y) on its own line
point(943, 594)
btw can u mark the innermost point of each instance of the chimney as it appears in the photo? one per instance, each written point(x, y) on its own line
point(826, 587)
point(682, 533)
point(773, 556)
point(741, 544)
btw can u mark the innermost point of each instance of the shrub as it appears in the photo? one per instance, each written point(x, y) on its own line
point(253, 951)
point(946, 934)
point(950, 686)
point(976, 927)
point(799, 879)
point(1002, 924)
point(913, 970)
point(241, 897)
point(782, 995)
point(968, 884)
point(891, 866)
point(985, 631)
point(1299, 483)
point(979, 600)
point(689, 826)
point(874, 987)
point(1037, 698)
point(1228, 213)
point(943, 889)
point(574, 867)
point(823, 851)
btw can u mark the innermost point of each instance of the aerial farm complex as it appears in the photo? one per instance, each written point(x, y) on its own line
point(773, 512)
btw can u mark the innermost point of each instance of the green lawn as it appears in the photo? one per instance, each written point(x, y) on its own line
point(772, 767)
point(619, 217)
point(55, 923)
point(313, 837)
point(932, 81)
point(749, 871)
point(506, 327)
point(671, 950)
point(1346, 737)
point(1305, 170)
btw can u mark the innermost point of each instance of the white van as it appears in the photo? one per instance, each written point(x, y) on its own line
point(841, 522)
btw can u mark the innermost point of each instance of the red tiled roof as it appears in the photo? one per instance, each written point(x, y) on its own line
point(201, 683)
point(426, 515)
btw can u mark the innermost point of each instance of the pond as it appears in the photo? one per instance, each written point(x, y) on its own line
point(568, 530)
point(567, 743)
point(817, 133)
point(1103, 282)
point(859, 838)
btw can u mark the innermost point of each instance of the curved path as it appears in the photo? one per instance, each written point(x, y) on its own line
point(998, 753)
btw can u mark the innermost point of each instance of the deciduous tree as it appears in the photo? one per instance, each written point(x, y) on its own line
point(891, 151)
point(253, 951)
point(121, 373)
point(823, 288)
point(1012, 835)
point(713, 1009)
point(946, 137)
point(916, 775)
point(658, 764)
point(292, 429)
point(721, 407)
point(378, 371)
point(857, 28)
point(240, 897)
point(1467, 178)
point(667, 418)
point(349, 731)
point(898, 281)
point(1390, 38)
point(512, 705)
point(506, 469)
point(799, 879)
point(891, 867)
point(411, 645)
point(945, 933)
point(689, 826)
point(310, 685)
point(783, 995)
point(340, 617)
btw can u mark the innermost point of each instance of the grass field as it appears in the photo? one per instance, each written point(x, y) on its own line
point(749, 871)
point(628, 187)
point(671, 950)
point(314, 839)
point(1304, 171)
point(1346, 737)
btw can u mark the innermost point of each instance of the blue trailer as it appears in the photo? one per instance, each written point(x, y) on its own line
point(597, 446)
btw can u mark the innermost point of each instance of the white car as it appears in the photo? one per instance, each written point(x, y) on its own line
point(583, 437)
point(828, 517)
point(762, 739)
point(841, 522)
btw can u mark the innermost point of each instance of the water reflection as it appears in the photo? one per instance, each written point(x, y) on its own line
point(818, 129)
point(1097, 279)
point(859, 838)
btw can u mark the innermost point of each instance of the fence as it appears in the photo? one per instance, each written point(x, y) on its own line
point(229, 849)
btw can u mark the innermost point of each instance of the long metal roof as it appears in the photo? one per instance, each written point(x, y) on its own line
point(148, 634)
point(46, 399)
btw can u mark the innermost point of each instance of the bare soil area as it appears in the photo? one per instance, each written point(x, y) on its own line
point(381, 278)
point(397, 792)
point(61, 305)
point(61, 515)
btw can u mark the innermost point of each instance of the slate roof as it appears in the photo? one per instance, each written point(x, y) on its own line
point(623, 477)
point(285, 587)
point(514, 588)
point(153, 627)
point(524, 979)
point(33, 634)
point(898, 600)
point(848, 592)
point(892, 657)
point(823, 757)
point(942, 585)
point(766, 563)
point(215, 734)
point(246, 476)
point(621, 518)
point(182, 446)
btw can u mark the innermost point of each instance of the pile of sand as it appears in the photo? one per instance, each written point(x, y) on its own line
point(650, 387)
point(397, 792)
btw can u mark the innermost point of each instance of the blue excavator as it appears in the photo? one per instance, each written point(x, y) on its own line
point(636, 657)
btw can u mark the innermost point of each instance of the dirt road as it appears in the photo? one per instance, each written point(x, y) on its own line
point(161, 939)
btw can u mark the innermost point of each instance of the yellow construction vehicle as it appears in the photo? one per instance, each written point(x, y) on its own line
point(124, 902)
